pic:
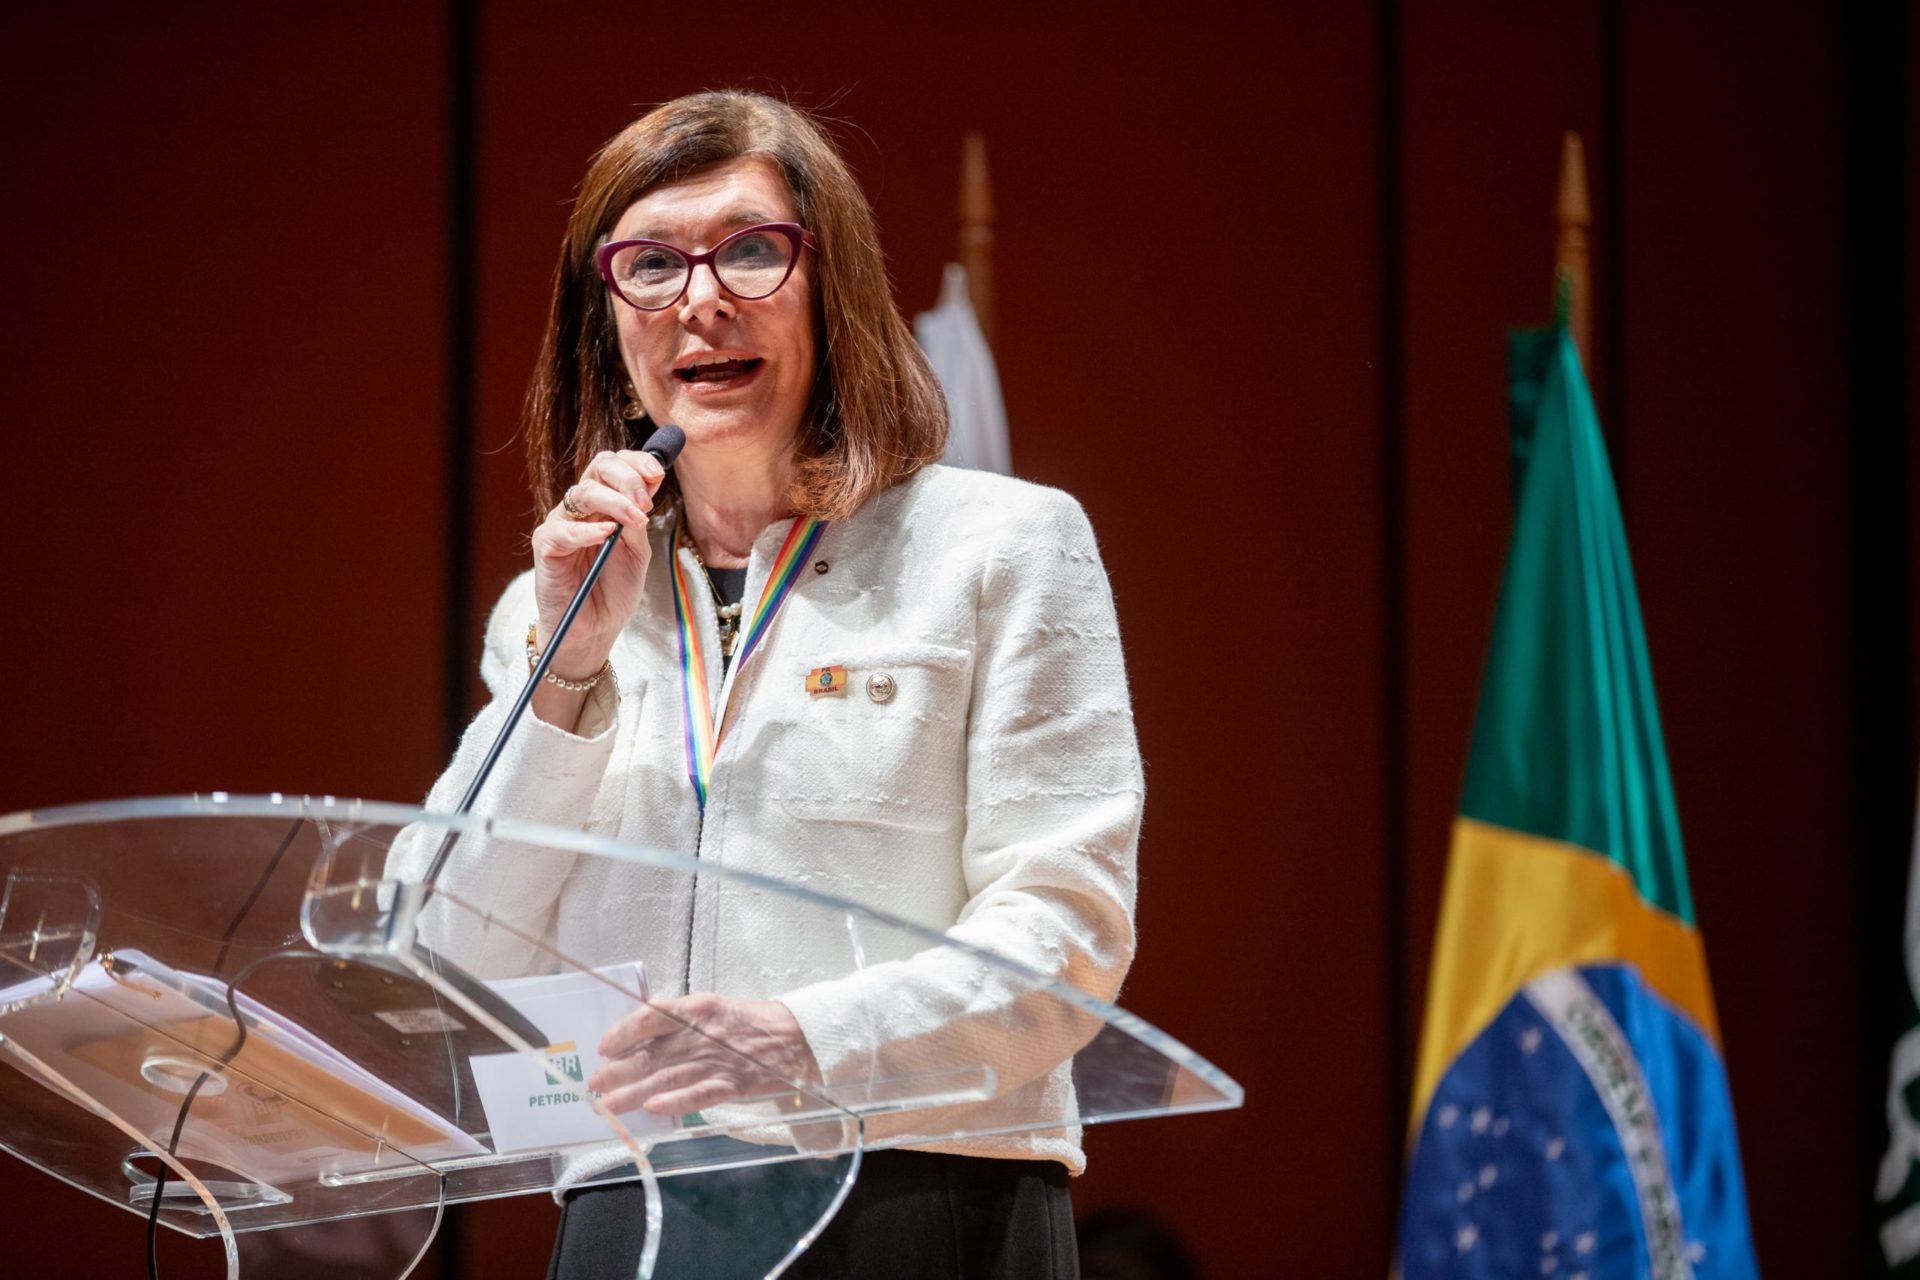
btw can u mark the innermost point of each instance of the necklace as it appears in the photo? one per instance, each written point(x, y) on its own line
point(729, 614)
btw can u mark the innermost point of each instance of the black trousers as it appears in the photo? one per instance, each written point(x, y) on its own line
point(911, 1215)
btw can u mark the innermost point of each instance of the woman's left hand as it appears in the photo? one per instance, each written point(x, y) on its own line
point(675, 1056)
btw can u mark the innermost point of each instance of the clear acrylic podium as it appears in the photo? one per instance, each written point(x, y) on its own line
point(256, 1014)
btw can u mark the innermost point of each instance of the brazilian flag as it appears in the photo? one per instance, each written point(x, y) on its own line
point(1570, 1113)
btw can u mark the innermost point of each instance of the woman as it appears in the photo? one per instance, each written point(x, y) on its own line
point(973, 767)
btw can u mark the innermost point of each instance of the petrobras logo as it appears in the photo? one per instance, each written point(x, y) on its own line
point(565, 1058)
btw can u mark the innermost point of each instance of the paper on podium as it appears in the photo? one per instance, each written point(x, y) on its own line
point(532, 1108)
point(290, 1103)
point(137, 1036)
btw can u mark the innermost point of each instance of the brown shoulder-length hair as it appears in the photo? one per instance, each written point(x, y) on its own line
point(877, 414)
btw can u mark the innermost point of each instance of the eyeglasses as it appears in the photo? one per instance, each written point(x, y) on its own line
point(652, 275)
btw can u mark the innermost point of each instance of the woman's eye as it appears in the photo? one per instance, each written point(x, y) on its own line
point(752, 249)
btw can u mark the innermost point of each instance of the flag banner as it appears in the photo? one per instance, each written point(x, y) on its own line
point(1570, 1115)
point(1897, 1190)
point(962, 361)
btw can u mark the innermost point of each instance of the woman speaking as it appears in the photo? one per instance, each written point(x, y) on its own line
point(974, 767)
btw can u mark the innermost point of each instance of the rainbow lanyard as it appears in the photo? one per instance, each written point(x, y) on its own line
point(702, 737)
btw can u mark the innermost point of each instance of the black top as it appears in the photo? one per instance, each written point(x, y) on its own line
point(729, 584)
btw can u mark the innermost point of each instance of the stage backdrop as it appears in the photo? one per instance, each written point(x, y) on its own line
point(270, 276)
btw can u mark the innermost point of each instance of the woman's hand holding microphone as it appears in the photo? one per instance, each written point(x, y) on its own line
point(615, 489)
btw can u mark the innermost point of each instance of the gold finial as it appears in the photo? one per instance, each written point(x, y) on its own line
point(1574, 214)
point(976, 228)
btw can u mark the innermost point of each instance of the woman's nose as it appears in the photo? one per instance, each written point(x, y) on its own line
point(705, 299)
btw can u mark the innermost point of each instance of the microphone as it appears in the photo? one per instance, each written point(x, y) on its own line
point(665, 443)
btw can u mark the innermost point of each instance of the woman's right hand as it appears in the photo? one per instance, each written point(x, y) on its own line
point(615, 489)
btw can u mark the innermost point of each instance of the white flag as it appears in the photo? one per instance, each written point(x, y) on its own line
point(957, 350)
point(1899, 1211)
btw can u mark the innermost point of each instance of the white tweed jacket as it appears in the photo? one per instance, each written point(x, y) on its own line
point(996, 796)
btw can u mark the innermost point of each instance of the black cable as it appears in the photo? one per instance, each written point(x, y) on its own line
point(180, 1120)
point(186, 1104)
point(226, 1058)
point(259, 887)
point(233, 1007)
point(160, 1181)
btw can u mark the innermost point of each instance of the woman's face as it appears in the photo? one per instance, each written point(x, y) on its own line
point(757, 403)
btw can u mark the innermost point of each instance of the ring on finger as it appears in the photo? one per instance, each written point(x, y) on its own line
point(573, 509)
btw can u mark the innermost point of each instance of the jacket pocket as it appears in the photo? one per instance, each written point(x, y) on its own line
point(884, 742)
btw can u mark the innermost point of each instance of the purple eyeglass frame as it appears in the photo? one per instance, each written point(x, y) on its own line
point(798, 236)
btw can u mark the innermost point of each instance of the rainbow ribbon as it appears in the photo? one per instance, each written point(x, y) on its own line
point(702, 736)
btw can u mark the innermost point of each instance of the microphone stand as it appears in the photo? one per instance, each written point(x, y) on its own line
point(521, 703)
point(665, 444)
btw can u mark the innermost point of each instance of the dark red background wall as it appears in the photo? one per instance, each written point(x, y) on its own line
point(236, 365)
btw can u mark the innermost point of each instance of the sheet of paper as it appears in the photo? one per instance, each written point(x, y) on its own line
point(530, 1108)
point(288, 1108)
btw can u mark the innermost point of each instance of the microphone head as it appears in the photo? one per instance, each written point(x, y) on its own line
point(665, 443)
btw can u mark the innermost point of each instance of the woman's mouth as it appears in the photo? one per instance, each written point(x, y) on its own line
point(719, 371)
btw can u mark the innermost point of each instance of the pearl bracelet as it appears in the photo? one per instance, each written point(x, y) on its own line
point(571, 686)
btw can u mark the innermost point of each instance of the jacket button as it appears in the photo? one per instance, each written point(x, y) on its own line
point(880, 687)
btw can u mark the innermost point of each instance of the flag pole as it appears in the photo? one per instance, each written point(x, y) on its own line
point(1574, 216)
point(976, 228)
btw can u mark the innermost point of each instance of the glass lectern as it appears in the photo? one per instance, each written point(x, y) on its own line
point(256, 1020)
